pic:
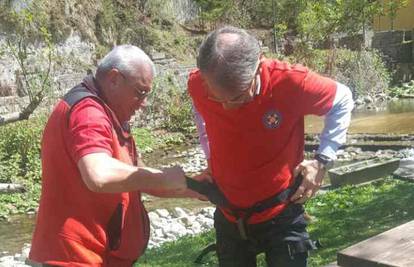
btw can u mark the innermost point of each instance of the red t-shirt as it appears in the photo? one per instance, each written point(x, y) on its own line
point(254, 148)
point(90, 130)
point(72, 222)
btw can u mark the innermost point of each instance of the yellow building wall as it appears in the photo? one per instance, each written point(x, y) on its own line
point(403, 21)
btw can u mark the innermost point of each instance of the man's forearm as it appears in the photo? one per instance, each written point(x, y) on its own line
point(101, 173)
point(336, 122)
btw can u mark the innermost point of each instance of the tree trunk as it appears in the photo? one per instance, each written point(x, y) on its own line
point(25, 113)
point(9, 118)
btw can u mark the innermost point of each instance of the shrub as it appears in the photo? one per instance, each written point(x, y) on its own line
point(170, 106)
point(363, 71)
point(20, 151)
point(20, 163)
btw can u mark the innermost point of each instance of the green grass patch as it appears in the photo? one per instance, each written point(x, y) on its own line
point(343, 217)
point(149, 140)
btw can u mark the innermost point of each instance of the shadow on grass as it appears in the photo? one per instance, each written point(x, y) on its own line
point(343, 218)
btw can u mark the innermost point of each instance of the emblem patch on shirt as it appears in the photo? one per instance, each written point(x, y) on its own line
point(272, 119)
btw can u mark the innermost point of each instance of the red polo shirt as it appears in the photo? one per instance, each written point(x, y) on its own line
point(254, 148)
point(74, 224)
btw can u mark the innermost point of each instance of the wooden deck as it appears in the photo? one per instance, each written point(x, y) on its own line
point(392, 248)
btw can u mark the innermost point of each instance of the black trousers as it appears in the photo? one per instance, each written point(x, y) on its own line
point(279, 238)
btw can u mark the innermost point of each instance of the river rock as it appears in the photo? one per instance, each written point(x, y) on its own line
point(368, 99)
point(179, 212)
point(176, 229)
point(159, 232)
point(163, 213)
point(153, 216)
point(206, 223)
point(208, 212)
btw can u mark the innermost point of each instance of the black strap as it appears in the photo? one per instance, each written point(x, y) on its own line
point(80, 92)
point(210, 248)
point(215, 196)
point(210, 190)
point(76, 94)
point(273, 200)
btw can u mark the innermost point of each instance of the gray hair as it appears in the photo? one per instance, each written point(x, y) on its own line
point(231, 63)
point(124, 58)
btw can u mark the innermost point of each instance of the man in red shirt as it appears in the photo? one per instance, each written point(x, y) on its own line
point(90, 211)
point(250, 116)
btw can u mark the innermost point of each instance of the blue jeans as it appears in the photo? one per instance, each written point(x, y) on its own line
point(283, 239)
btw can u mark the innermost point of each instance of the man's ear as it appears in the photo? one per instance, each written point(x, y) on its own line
point(113, 78)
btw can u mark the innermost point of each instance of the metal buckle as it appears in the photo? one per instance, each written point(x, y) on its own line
point(241, 226)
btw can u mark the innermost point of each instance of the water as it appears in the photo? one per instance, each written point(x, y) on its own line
point(396, 117)
point(14, 233)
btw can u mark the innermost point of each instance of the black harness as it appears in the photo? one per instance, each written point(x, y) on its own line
point(215, 196)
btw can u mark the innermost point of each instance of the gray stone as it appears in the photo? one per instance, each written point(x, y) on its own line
point(368, 99)
point(206, 223)
point(208, 212)
point(159, 232)
point(176, 229)
point(163, 213)
point(179, 212)
point(153, 216)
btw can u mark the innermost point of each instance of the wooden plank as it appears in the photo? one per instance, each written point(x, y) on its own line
point(393, 248)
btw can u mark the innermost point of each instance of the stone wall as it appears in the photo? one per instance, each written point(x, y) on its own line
point(396, 45)
point(397, 48)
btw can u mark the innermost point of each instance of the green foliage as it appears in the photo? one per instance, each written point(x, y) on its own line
point(20, 163)
point(149, 140)
point(320, 19)
point(313, 20)
point(214, 12)
point(170, 104)
point(404, 89)
point(391, 7)
point(341, 218)
point(20, 151)
point(363, 71)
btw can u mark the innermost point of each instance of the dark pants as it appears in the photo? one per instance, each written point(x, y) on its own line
point(279, 238)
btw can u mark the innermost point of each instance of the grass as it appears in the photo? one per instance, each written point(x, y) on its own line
point(341, 218)
point(149, 140)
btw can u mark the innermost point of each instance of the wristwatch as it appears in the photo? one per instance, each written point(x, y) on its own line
point(326, 161)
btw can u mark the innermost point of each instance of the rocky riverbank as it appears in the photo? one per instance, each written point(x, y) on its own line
point(165, 226)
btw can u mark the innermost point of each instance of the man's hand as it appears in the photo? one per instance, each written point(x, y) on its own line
point(313, 173)
point(174, 179)
point(205, 176)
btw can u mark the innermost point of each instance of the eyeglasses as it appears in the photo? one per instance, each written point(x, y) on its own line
point(246, 95)
point(139, 93)
point(242, 98)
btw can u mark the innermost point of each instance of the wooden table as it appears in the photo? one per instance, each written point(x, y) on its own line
point(391, 248)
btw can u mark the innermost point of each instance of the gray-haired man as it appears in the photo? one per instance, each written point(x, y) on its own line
point(250, 116)
point(90, 211)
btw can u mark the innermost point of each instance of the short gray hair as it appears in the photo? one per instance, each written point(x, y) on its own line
point(231, 64)
point(124, 58)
